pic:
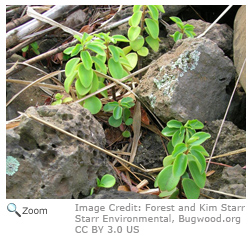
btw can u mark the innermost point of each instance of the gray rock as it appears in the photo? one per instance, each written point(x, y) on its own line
point(173, 10)
point(32, 97)
point(52, 164)
point(239, 43)
point(114, 194)
point(231, 181)
point(231, 139)
point(188, 82)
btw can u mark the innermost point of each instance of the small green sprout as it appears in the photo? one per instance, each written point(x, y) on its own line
point(107, 181)
point(121, 113)
point(60, 100)
point(187, 29)
point(34, 47)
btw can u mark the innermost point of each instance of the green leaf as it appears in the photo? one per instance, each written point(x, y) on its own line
point(175, 19)
point(168, 160)
point(115, 53)
point(129, 121)
point(95, 83)
point(102, 58)
point(200, 149)
point(126, 134)
point(25, 49)
point(67, 99)
point(120, 38)
point(178, 137)
point(69, 80)
point(180, 165)
point(85, 76)
point(133, 32)
point(136, 18)
point(57, 102)
point(132, 59)
point(127, 102)
point(137, 8)
point(170, 147)
point(199, 178)
point(169, 131)
point(153, 43)
point(78, 38)
point(193, 158)
point(137, 43)
point(180, 25)
point(126, 114)
point(96, 48)
point(58, 96)
point(194, 124)
point(76, 50)
point(117, 112)
point(85, 36)
point(153, 12)
point(179, 148)
point(200, 158)
point(100, 64)
point(143, 52)
point(105, 92)
point(192, 139)
point(115, 123)
point(153, 28)
point(202, 137)
point(81, 89)
point(115, 69)
point(93, 104)
point(110, 106)
point(167, 193)
point(68, 50)
point(176, 36)
point(160, 8)
point(71, 65)
point(174, 124)
point(191, 190)
point(190, 34)
point(126, 50)
point(86, 59)
point(188, 27)
point(166, 180)
point(107, 181)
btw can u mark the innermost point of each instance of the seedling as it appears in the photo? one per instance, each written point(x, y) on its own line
point(33, 46)
point(186, 153)
point(107, 181)
point(60, 100)
point(121, 113)
point(184, 29)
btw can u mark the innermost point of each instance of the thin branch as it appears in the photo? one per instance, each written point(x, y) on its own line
point(226, 194)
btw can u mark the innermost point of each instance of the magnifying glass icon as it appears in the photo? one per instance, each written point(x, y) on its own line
point(12, 208)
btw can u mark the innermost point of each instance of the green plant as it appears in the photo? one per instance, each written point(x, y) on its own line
point(107, 181)
point(187, 29)
point(60, 100)
point(135, 32)
point(121, 113)
point(185, 152)
point(33, 46)
point(99, 51)
point(12, 165)
point(106, 58)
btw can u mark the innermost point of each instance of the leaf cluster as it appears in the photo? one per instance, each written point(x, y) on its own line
point(185, 152)
point(184, 29)
point(136, 39)
point(121, 113)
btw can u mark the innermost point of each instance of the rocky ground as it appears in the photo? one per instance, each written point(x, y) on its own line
point(190, 79)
